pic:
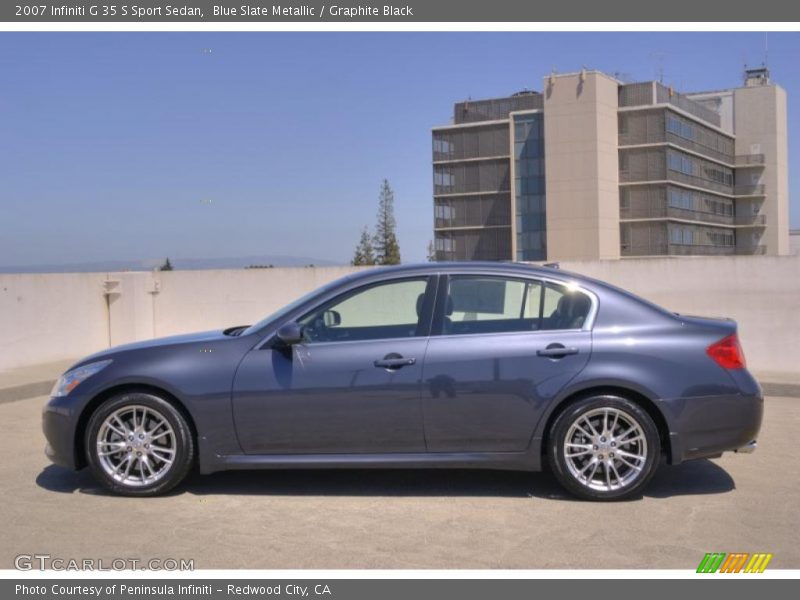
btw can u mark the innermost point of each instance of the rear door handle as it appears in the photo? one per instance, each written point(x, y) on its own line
point(395, 363)
point(556, 351)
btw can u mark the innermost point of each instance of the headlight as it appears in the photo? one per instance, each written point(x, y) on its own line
point(71, 379)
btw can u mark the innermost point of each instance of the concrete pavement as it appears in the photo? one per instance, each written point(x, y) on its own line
point(405, 519)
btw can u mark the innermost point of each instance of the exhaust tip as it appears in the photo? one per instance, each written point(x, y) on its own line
point(748, 448)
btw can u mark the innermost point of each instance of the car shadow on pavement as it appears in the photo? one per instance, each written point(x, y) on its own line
point(696, 477)
point(693, 477)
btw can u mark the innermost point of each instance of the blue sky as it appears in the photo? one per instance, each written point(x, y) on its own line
point(117, 146)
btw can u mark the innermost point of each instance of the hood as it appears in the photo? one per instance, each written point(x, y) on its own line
point(173, 340)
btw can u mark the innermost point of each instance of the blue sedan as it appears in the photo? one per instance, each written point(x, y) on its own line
point(462, 365)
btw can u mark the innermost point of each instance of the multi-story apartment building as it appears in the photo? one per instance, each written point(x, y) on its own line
point(593, 168)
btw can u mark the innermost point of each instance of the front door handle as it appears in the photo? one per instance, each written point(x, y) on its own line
point(394, 361)
point(556, 351)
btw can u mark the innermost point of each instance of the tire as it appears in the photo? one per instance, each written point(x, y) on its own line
point(139, 444)
point(614, 461)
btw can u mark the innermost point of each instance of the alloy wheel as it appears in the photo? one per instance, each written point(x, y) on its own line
point(605, 449)
point(136, 445)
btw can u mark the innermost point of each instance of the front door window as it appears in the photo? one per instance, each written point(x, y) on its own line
point(383, 311)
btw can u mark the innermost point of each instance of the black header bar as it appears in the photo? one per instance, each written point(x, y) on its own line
point(176, 11)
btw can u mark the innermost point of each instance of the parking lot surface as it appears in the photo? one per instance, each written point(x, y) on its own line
point(405, 519)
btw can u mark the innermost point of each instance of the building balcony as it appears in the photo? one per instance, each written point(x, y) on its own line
point(656, 212)
point(689, 250)
point(450, 225)
point(700, 149)
point(663, 212)
point(754, 189)
point(699, 182)
point(751, 250)
point(700, 250)
point(750, 220)
point(749, 160)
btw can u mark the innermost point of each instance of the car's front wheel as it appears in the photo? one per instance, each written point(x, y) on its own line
point(604, 448)
point(138, 444)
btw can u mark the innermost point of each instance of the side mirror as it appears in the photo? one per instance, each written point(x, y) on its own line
point(290, 334)
point(331, 318)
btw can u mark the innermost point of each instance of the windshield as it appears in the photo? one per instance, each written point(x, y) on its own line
point(291, 306)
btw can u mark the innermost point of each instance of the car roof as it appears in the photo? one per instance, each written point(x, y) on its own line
point(479, 267)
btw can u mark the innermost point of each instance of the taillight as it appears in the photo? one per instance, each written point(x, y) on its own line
point(727, 353)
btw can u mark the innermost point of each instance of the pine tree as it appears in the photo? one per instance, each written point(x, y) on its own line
point(387, 249)
point(167, 266)
point(364, 254)
point(431, 252)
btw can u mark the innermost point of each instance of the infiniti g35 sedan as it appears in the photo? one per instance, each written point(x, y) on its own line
point(471, 365)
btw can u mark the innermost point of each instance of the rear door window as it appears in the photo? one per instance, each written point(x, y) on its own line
point(481, 304)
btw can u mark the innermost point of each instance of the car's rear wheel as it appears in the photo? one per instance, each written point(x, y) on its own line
point(604, 448)
point(138, 444)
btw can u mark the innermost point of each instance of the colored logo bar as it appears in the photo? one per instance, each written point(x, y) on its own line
point(735, 562)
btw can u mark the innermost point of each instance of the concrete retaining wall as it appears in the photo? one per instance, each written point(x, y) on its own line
point(198, 300)
point(49, 317)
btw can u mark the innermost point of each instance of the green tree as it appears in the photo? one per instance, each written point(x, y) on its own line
point(167, 266)
point(431, 252)
point(387, 249)
point(365, 253)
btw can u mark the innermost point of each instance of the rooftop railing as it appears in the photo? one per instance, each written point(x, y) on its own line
point(474, 111)
point(665, 95)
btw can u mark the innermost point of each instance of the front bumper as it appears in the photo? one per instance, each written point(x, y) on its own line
point(59, 424)
point(707, 426)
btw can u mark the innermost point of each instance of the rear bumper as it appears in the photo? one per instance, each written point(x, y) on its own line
point(707, 426)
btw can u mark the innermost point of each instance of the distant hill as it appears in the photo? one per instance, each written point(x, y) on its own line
point(179, 264)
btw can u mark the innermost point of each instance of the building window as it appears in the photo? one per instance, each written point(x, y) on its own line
point(624, 198)
point(723, 238)
point(719, 175)
point(529, 186)
point(699, 135)
point(444, 212)
point(681, 164)
point(683, 199)
point(681, 236)
point(443, 178)
point(445, 244)
point(681, 128)
point(442, 147)
point(625, 236)
point(673, 125)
